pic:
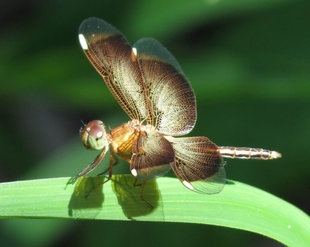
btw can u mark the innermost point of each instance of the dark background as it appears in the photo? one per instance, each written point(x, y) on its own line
point(248, 62)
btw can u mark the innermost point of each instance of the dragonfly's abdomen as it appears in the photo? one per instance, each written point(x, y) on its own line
point(248, 153)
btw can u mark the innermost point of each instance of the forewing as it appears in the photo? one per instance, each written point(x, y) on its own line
point(170, 98)
point(109, 52)
point(151, 155)
point(198, 164)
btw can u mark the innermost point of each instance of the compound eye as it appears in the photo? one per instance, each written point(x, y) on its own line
point(93, 135)
point(96, 132)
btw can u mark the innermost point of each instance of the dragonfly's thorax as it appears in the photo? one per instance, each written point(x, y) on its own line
point(122, 138)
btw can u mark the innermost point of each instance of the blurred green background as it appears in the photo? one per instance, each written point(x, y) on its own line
point(248, 62)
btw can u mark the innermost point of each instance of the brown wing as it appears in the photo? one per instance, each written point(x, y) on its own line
point(198, 164)
point(171, 100)
point(151, 155)
point(109, 52)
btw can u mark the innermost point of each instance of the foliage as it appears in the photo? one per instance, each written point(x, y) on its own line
point(248, 62)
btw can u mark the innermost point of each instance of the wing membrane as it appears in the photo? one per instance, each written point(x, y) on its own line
point(146, 81)
point(152, 155)
point(171, 100)
point(112, 56)
point(198, 164)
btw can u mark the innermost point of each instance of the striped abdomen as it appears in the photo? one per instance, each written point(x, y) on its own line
point(248, 153)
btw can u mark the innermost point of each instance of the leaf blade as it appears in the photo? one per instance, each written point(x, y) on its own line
point(238, 206)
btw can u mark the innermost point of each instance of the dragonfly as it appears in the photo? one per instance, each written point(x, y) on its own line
point(150, 86)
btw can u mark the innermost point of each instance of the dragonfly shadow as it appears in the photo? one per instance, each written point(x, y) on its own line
point(129, 195)
point(229, 182)
point(87, 195)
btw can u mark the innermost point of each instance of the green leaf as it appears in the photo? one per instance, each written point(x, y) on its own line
point(237, 206)
point(164, 18)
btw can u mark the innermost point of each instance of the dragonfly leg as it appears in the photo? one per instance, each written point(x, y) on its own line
point(142, 195)
point(142, 192)
point(110, 174)
point(109, 168)
point(135, 184)
point(92, 166)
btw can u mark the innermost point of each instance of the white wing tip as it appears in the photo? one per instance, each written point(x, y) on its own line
point(83, 42)
point(134, 50)
point(134, 172)
point(188, 185)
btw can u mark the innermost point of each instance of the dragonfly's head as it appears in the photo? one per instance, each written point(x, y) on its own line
point(93, 135)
